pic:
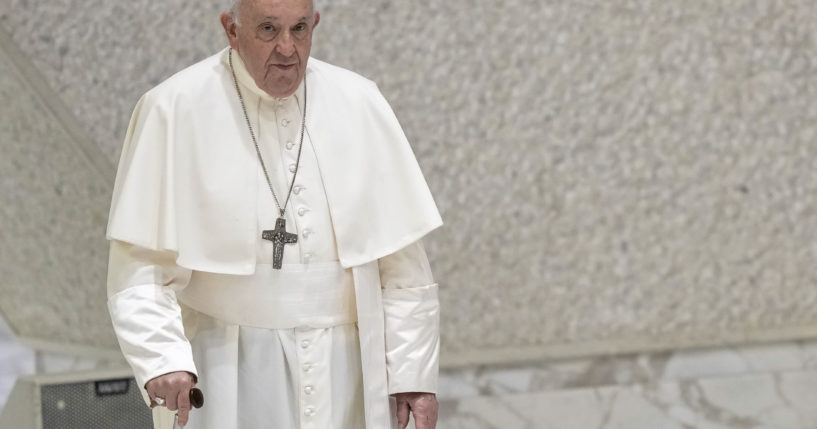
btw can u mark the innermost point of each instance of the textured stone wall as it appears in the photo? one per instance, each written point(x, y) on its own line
point(615, 176)
point(53, 211)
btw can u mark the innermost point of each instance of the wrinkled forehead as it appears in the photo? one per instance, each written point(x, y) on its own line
point(274, 8)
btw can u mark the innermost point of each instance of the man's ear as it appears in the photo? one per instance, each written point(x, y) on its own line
point(230, 29)
point(317, 19)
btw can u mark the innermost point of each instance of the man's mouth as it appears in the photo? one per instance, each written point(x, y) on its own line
point(284, 66)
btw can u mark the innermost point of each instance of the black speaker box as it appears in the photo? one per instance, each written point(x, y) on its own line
point(88, 400)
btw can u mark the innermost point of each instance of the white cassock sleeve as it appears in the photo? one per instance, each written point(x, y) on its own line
point(412, 318)
point(142, 286)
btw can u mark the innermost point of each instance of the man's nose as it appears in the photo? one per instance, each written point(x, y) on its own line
point(286, 45)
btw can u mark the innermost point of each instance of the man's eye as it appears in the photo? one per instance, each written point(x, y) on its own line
point(267, 28)
point(300, 27)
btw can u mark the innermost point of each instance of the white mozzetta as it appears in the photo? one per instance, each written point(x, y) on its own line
point(181, 156)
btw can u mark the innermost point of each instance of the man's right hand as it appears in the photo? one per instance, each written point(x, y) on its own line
point(174, 388)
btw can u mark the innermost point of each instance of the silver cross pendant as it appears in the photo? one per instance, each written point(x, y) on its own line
point(279, 237)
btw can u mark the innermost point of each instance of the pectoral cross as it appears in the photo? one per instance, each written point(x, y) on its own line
point(279, 236)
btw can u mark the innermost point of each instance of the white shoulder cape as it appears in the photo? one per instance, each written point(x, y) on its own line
point(188, 170)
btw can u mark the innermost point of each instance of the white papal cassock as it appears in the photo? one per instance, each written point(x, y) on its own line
point(317, 344)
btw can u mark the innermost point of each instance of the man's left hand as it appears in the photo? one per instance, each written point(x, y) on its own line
point(422, 405)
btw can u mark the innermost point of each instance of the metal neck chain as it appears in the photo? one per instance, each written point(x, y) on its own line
point(281, 210)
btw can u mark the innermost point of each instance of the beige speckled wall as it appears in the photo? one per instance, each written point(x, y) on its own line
point(614, 175)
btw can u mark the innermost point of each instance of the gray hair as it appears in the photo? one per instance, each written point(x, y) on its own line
point(236, 5)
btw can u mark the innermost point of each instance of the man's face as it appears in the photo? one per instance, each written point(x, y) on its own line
point(274, 40)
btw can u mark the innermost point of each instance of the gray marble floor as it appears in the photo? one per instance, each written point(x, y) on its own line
point(751, 387)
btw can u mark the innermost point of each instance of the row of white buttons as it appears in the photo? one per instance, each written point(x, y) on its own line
point(309, 411)
point(298, 188)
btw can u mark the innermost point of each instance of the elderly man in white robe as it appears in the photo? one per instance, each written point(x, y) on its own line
point(265, 241)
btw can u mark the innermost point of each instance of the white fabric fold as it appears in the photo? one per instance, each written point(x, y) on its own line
point(296, 296)
point(149, 328)
point(379, 410)
point(412, 319)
